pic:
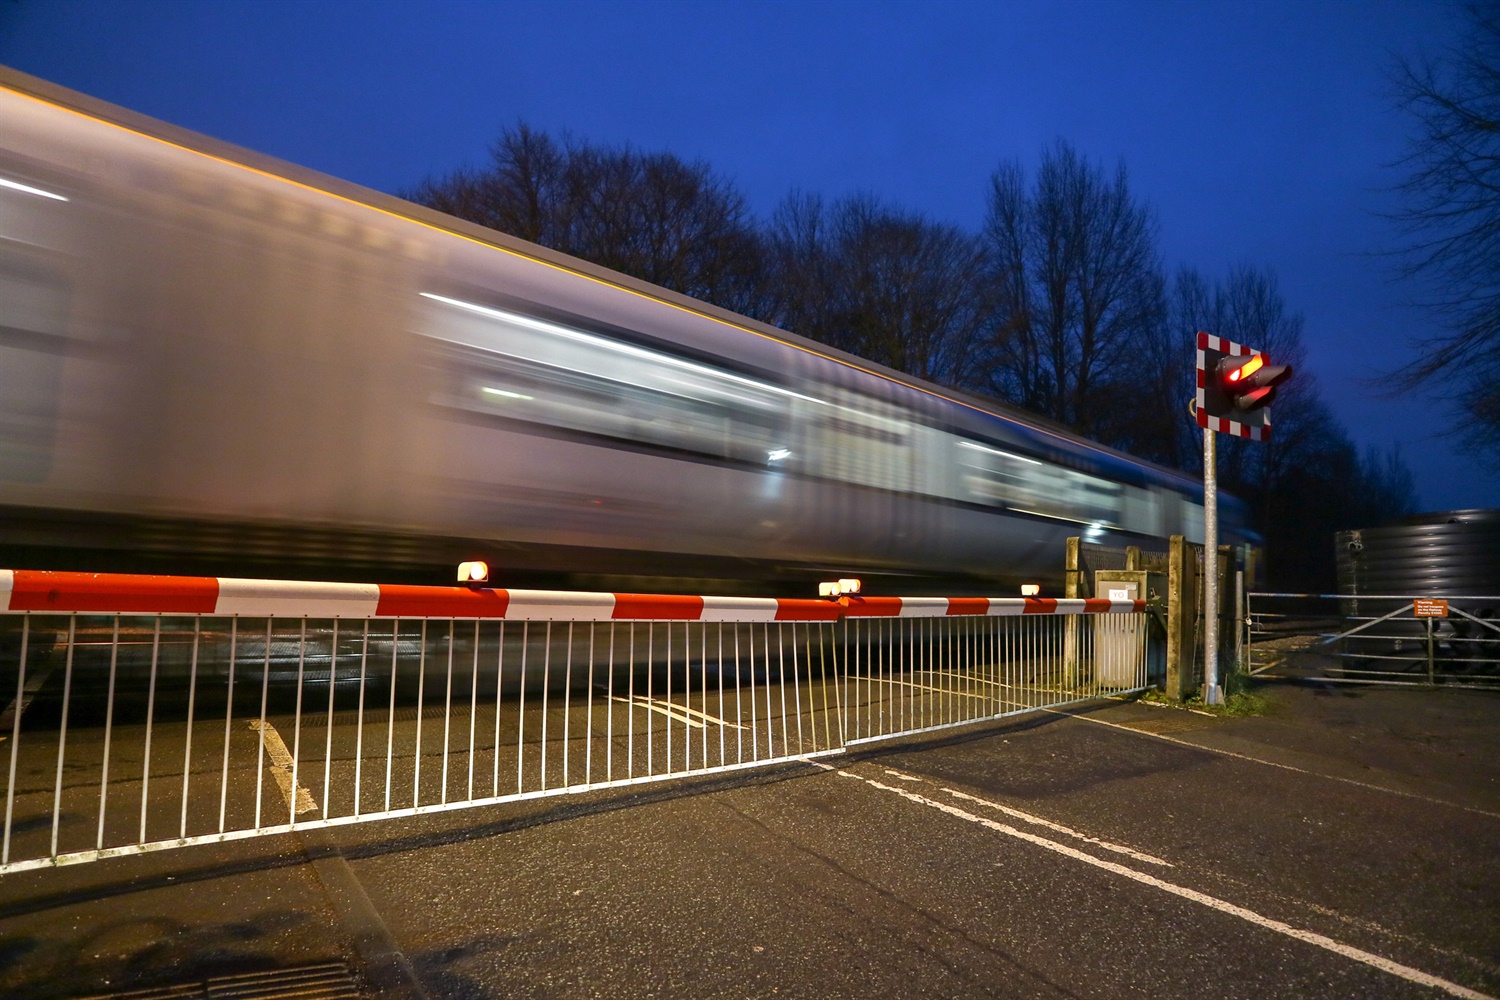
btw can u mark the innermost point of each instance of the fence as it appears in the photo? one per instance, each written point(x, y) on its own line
point(1376, 639)
point(159, 712)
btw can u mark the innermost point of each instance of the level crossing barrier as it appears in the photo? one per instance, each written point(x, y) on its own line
point(156, 712)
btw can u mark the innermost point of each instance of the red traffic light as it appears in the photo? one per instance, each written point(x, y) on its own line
point(1249, 384)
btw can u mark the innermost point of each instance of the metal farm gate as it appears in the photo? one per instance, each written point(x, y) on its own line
point(158, 712)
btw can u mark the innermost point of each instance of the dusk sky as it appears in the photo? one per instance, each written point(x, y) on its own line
point(1261, 133)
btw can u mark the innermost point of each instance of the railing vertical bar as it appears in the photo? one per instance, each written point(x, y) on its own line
point(687, 696)
point(499, 700)
point(786, 742)
point(739, 713)
point(822, 679)
point(333, 680)
point(416, 757)
point(15, 740)
point(448, 709)
point(754, 708)
point(630, 708)
point(870, 628)
point(359, 719)
point(609, 709)
point(109, 724)
point(297, 724)
point(723, 749)
point(668, 726)
point(567, 702)
point(770, 726)
point(650, 697)
point(260, 739)
point(892, 686)
point(932, 703)
point(187, 751)
point(861, 655)
point(62, 731)
point(390, 719)
point(796, 686)
point(521, 711)
point(687, 699)
point(473, 706)
point(703, 690)
point(150, 720)
point(588, 747)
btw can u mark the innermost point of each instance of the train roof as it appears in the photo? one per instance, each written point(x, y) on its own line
point(205, 145)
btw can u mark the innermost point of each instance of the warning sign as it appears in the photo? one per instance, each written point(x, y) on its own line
point(1425, 608)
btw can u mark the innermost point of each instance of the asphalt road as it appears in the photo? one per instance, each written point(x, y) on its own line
point(1345, 845)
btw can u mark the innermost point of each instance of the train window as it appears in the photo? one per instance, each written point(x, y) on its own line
point(997, 476)
point(862, 442)
point(33, 344)
point(535, 371)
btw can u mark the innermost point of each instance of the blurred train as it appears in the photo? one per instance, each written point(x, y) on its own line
point(211, 361)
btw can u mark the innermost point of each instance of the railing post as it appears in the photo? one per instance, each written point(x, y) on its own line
point(1431, 678)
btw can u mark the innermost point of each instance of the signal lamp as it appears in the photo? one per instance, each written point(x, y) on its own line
point(473, 573)
point(838, 588)
point(1030, 589)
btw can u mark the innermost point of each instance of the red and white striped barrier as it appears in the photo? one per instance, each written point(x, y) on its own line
point(115, 593)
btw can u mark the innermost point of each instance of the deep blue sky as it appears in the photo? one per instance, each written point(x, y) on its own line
point(1260, 132)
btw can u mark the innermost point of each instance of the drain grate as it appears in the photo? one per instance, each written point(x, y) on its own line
point(330, 981)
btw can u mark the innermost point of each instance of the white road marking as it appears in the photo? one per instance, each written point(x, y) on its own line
point(1284, 767)
point(1038, 821)
point(17, 706)
point(927, 687)
point(1368, 958)
point(672, 710)
point(281, 768)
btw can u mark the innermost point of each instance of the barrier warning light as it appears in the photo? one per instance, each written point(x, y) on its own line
point(473, 573)
point(838, 588)
point(1030, 589)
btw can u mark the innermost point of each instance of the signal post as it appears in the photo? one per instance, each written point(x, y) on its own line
point(1235, 388)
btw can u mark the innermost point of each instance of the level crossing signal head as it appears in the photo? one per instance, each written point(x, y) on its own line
point(1250, 383)
point(1235, 387)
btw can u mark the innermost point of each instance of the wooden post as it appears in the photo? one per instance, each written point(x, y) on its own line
point(1073, 586)
point(1182, 599)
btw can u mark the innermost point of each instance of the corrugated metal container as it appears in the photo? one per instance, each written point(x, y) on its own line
point(1449, 554)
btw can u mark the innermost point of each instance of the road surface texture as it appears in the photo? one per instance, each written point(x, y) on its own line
point(1346, 844)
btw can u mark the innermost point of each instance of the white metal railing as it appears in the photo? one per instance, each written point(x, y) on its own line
point(157, 712)
point(1377, 638)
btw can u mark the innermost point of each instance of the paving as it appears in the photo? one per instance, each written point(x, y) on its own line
point(1344, 844)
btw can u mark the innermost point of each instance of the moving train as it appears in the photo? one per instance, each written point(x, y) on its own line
point(212, 361)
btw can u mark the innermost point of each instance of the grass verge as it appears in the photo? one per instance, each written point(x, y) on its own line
point(1243, 696)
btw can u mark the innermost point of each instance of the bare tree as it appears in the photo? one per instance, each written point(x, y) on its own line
point(1450, 225)
point(1077, 284)
point(649, 215)
point(888, 285)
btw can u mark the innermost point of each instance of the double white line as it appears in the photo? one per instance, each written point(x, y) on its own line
point(1212, 902)
point(680, 713)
